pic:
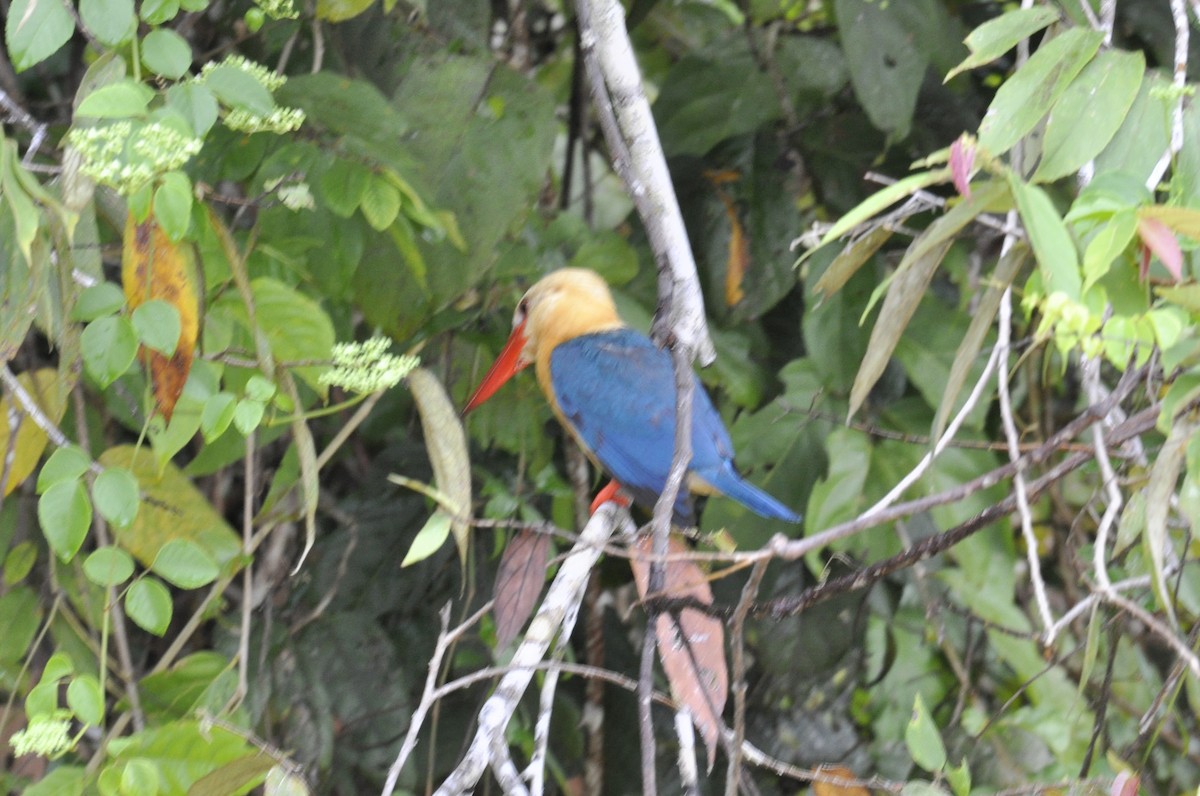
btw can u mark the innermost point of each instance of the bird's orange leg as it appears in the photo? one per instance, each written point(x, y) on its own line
point(611, 492)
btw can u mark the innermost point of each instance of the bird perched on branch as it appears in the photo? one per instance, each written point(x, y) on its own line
point(614, 391)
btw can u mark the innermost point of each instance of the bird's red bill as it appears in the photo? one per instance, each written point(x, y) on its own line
point(503, 369)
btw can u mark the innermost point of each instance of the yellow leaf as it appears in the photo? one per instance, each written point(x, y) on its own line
point(172, 508)
point(43, 386)
point(153, 267)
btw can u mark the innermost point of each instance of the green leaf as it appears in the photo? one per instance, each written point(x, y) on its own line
point(259, 389)
point(218, 414)
point(57, 667)
point(115, 493)
point(157, 325)
point(140, 778)
point(380, 203)
point(86, 699)
point(239, 89)
point(1057, 257)
point(185, 564)
point(881, 200)
point(20, 615)
point(110, 21)
point(103, 298)
point(886, 70)
point(65, 464)
point(109, 346)
point(609, 255)
point(148, 604)
point(35, 29)
point(997, 36)
point(429, 539)
point(157, 12)
point(1027, 96)
point(65, 513)
point(1107, 245)
point(19, 562)
point(960, 778)
point(343, 185)
point(1163, 477)
point(181, 751)
point(62, 780)
point(108, 566)
point(1090, 112)
point(341, 10)
point(166, 53)
point(173, 204)
point(247, 415)
point(117, 101)
point(923, 740)
point(196, 103)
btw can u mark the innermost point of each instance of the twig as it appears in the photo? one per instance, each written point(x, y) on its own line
point(1158, 628)
point(1091, 385)
point(1179, 83)
point(737, 632)
point(685, 732)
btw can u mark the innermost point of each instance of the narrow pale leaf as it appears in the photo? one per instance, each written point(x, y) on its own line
point(997, 36)
point(881, 200)
point(50, 396)
point(447, 447)
point(429, 539)
point(1161, 486)
point(1058, 259)
point(923, 739)
point(846, 264)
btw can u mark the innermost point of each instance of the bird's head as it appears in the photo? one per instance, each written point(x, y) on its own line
point(562, 305)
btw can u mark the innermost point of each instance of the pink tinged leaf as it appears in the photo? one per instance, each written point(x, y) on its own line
point(691, 645)
point(962, 159)
point(1160, 240)
point(1125, 784)
point(518, 583)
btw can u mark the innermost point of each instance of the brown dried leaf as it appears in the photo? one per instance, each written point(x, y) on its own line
point(519, 583)
point(824, 787)
point(154, 267)
point(692, 647)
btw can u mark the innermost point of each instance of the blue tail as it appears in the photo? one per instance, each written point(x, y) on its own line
point(726, 481)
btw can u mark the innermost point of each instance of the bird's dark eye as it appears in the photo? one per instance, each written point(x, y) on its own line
point(521, 311)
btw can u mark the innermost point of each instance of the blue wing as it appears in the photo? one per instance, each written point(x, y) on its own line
point(617, 391)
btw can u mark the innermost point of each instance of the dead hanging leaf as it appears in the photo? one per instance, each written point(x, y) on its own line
point(837, 781)
point(153, 267)
point(691, 646)
point(447, 447)
point(846, 264)
point(518, 583)
point(738, 261)
point(25, 449)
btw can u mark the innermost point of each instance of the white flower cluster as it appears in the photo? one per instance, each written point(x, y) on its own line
point(278, 9)
point(279, 121)
point(367, 367)
point(271, 80)
point(103, 149)
point(47, 736)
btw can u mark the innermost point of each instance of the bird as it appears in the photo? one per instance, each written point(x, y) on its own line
point(614, 391)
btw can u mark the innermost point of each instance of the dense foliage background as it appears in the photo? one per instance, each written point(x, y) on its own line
point(235, 187)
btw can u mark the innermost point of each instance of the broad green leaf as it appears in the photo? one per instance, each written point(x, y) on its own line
point(109, 346)
point(181, 751)
point(923, 740)
point(997, 36)
point(1027, 96)
point(34, 30)
point(19, 562)
point(839, 495)
point(380, 202)
point(180, 690)
point(343, 185)
point(65, 464)
point(61, 780)
point(115, 494)
point(173, 204)
point(1144, 134)
point(1058, 260)
point(86, 700)
point(852, 257)
point(447, 446)
point(886, 70)
point(157, 325)
point(58, 667)
point(341, 10)
point(429, 539)
point(20, 615)
point(217, 415)
point(104, 298)
point(166, 53)
point(259, 389)
point(173, 509)
point(238, 89)
point(108, 566)
point(140, 778)
point(65, 513)
point(156, 12)
point(148, 604)
point(609, 255)
point(196, 103)
point(247, 415)
point(238, 776)
point(110, 21)
point(959, 778)
point(1089, 113)
point(972, 343)
point(185, 564)
point(1108, 243)
point(117, 101)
